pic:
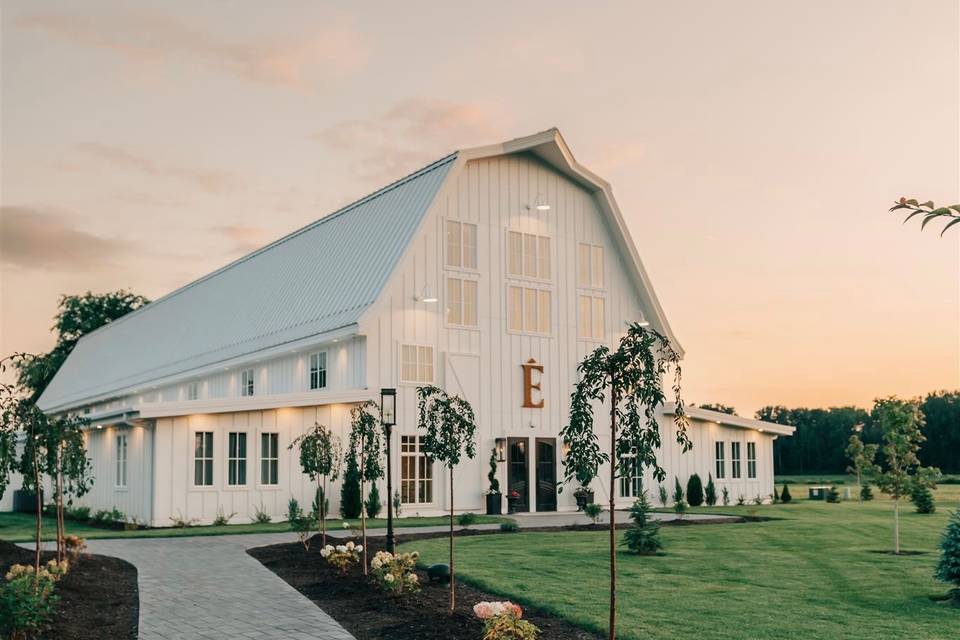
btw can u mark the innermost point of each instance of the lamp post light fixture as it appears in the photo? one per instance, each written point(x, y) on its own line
point(388, 417)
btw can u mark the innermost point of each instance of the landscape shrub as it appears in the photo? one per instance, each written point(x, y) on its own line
point(677, 491)
point(664, 497)
point(179, 522)
point(866, 493)
point(351, 501)
point(76, 547)
point(504, 621)
point(27, 605)
point(509, 527)
point(80, 514)
point(695, 491)
point(710, 494)
point(260, 515)
point(726, 496)
point(593, 511)
point(643, 536)
point(922, 499)
point(948, 568)
point(680, 508)
point(342, 556)
point(373, 504)
point(775, 497)
point(740, 500)
point(300, 523)
point(785, 496)
point(757, 500)
point(466, 520)
point(395, 572)
point(222, 519)
point(320, 498)
point(833, 495)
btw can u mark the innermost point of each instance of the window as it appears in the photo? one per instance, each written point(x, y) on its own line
point(237, 458)
point(318, 370)
point(528, 255)
point(631, 478)
point(246, 382)
point(529, 309)
point(416, 364)
point(591, 322)
point(734, 459)
point(462, 302)
point(203, 458)
point(461, 244)
point(193, 391)
point(718, 452)
point(590, 266)
point(122, 460)
point(269, 459)
point(416, 472)
point(751, 459)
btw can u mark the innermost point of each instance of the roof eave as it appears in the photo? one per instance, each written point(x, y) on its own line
point(729, 420)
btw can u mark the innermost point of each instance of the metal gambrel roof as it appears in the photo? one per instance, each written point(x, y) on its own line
point(315, 280)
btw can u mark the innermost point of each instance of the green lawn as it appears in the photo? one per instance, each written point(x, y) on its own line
point(811, 574)
point(18, 527)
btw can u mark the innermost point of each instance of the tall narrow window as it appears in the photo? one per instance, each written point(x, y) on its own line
point(203, 458)
point(122, 461)
point(735, 460)
point(269, 459)
point(416, 364)
point(591, 320)
point(246, 382)
point(530, 310)
point(462, 302)
point(529, 255)
point(720, 462)
point(751, 459)
point(193, 390)
point(589, 266)
point(416, 472)
point(237, 458)
point(631, 480)
point(318, 370)
point(461, 244)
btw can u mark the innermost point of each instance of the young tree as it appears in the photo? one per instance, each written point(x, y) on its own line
point(365, 441)
point(900, 422)
point(351, 501)
point(630, 377)
point(711, 492)
point(450, 428)
point(785, 496)
point(643, 536)
point(69, 467)
point(948, 568)
point(34, 459)
point(695, 490)
point(922, 499)
point(320, 453)
point(862, 458)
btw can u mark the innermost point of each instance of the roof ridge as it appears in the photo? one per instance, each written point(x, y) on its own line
point(330, 216)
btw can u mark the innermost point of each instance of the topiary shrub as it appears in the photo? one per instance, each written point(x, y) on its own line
point(785, 496)
point(775, 497)
point(373, 504)
point(866, 493)
point(664, 496)
point(643, 536)
point(833, 495)
point(710, 495)
point(677, 490)
point(509, 527)
point(351, 502)
point(695, 491)
point(948, 569)
point(468, 519)
point(922, 499)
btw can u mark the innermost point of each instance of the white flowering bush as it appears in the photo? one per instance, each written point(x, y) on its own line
point(395, 572)
point(27, 600)
point(342, 556)
point(504, 621)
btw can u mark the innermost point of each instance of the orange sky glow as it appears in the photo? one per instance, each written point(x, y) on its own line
point(754, 148)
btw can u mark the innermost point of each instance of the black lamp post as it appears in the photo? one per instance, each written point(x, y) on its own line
point(388, 417)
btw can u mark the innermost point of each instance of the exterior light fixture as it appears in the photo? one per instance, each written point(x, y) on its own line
point(643, 324)
point(566, 448)
point(501, 445)
point(388, 417)
point(426, 296)
point(540, 204)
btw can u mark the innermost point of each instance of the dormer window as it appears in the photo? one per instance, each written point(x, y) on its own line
point(246, 382)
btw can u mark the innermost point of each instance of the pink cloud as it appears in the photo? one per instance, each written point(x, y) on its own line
point(38, 239)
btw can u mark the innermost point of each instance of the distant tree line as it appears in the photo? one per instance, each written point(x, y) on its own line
point(822, 435)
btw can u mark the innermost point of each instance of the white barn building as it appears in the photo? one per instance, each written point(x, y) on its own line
point(460, 274)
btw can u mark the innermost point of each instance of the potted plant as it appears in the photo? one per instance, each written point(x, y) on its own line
point(512, 498)
point(584, 496)
point(494, 502)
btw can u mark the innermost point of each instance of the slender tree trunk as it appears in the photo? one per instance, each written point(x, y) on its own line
point(39, 529)
point(363, 516)
point(896, 525)
point(859, 487)
point(613, 527)
point(322, 510)
point(58, 501)
point(453, 588)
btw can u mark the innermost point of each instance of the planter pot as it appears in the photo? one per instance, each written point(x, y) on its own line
point(24, 501)
point(494, 504)
point(512, 505)
point(583, 499)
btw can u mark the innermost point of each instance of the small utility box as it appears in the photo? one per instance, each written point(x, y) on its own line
point(818, 493)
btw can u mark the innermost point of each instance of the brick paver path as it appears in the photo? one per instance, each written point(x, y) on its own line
point(209, 588)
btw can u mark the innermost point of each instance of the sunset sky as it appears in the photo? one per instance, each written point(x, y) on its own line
point(754, 148)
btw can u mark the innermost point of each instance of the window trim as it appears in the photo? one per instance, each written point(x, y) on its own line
point(719, 460)
point(261, 459)
point(192, 470)
point(603, 265)
point(592, 295)
point(193, 391)
point(121, 462)
point(415, 383)
point(325, 370)
point(246, 462)
point(446, 247)
point(735, 460)
point(417, 455)
point(751, 460)
point(633, 482)
point(523, 277)
point(523, 286)
point(462, 277)
point(248, 386)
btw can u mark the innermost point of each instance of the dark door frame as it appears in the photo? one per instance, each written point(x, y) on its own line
point(518, 474)
point(546, 474)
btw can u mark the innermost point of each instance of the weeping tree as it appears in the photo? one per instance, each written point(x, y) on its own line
point(69, 467)
point(861, 458)
point(366, 445)
point(450, 428)
point(631, 378)
point(901, 423)
point(320, 452)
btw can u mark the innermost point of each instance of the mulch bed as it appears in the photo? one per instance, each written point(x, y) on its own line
point(369, 614)
point(98, 597)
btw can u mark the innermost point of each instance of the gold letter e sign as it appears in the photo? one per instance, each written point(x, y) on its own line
point(529, 386)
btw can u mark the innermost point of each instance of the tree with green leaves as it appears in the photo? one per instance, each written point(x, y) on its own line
point(718, 407)
point(710, 494)
point(948, 568)
point(77, 315)
point(69, 467)
point(630, 378)
point(861, 458)
point(450, 431)
point(929, 211)
point(901, 423)
point(320, 455)
point(366, 441)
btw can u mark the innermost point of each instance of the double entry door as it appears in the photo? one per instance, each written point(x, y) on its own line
point(545, 473)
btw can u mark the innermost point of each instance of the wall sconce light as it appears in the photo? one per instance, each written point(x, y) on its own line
point(501, 445)
point(426, 296)
point(540, 204)
point(565, 448)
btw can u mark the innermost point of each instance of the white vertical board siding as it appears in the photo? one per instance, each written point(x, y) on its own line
point(135, 499)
